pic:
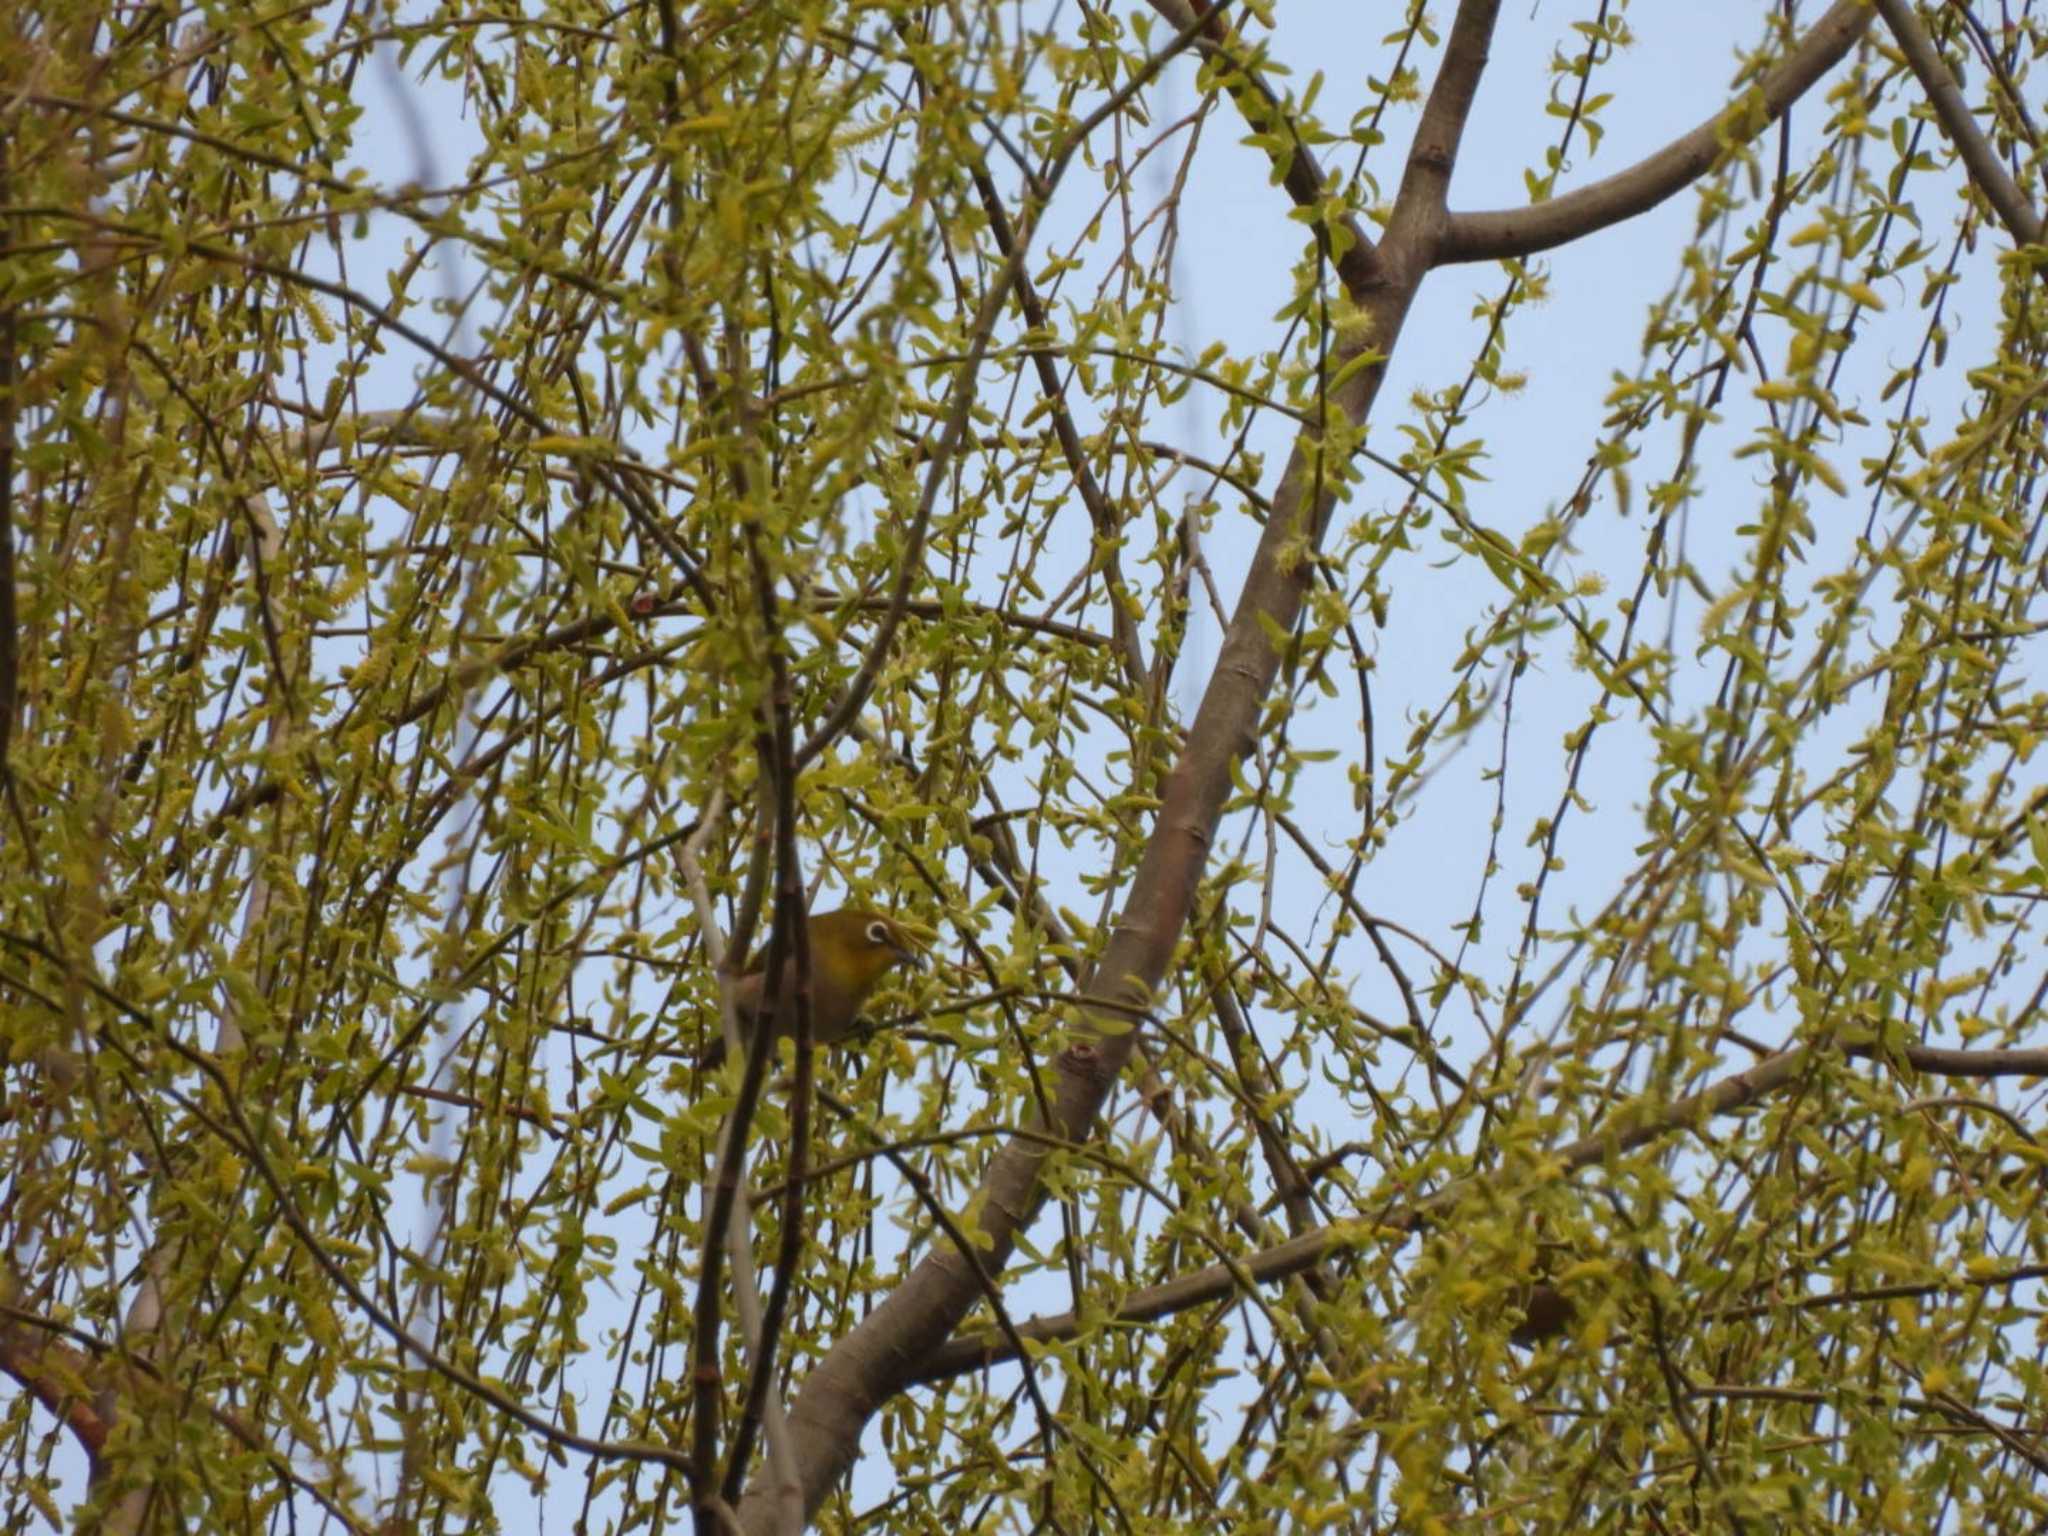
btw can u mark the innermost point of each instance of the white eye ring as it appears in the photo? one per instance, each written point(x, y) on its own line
point(878, 933)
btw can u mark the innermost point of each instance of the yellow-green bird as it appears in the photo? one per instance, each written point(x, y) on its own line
point(852, 949)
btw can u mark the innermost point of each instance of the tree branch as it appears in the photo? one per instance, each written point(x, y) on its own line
point(1216, 1282)
point(1943, 94)
point(1426, 180)
point(879, 1357)
point(1300, 172)
point(1631, 1126)
point(1499, 234)
point(1938, 1061)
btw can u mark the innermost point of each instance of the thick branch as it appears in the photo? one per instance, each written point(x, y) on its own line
point(1426, 179)
point(974, 1351)
point(882, 1355)
point(1936, 1061)
point(1982, 161)
point(1497, 235)
point(59, 1377)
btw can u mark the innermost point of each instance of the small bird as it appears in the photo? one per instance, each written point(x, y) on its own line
point(851, 951)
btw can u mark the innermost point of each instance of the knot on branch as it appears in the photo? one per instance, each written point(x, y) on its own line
point(1085, 1058)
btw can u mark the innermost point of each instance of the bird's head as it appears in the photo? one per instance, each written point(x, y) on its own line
point(857, 948)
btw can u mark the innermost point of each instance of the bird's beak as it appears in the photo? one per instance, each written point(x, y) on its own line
point(912, 940)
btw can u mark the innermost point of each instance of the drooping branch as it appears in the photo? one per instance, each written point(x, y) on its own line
point(77, 1380)
point(1301, 174)
point(959, 406)
point(1633, 1125)
point(1943, 94)
point(231, 1128)
point(1499, 234)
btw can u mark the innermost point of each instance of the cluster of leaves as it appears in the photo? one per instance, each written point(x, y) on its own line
point(433, 598)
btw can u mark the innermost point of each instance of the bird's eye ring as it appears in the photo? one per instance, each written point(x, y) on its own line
point(878, 932)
